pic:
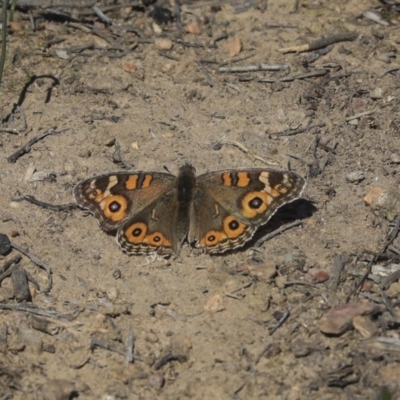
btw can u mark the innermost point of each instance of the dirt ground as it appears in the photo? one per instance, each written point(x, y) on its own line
point(265, 323)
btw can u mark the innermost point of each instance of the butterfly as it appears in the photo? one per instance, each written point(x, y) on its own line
point(155, 212)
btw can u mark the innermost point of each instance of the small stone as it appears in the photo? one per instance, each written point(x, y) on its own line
point(318, 275)
point(384, 203)
point(215, 304)
point(300, 348)
point(31, 340)
point(129, 67)
point(272, 351)
point(151, 337)
point(163, 44)
point(373, 195)
point(364, 326)
point(376, 94)
point(156, 381)
point(180, 345)
point(57, 389)
point(112, 293)
point(355, 176)
point(262, 272)
point(340, 319)
point(395, 158)
point(76, 356)
point(168, 135)
point(29, 172)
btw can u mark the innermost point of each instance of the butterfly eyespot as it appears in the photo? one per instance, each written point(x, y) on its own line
point(137, 232)
point(114, 206)
point(211, 238)
point(255, 203)
point(157, 239)
point(233, 225)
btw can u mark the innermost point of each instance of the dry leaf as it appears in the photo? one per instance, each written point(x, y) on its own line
point(234, 47)
point(129, 67)
point(192, 27)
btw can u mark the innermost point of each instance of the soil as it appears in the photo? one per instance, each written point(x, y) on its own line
point(251, 323)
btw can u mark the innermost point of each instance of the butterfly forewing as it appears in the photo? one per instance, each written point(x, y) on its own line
point(114, 198)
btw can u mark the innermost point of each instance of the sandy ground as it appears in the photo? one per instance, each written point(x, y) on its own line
point(248, 324)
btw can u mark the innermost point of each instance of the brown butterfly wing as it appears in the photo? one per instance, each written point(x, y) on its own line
point(230, 205)
point(159, 228)
point(116, 197)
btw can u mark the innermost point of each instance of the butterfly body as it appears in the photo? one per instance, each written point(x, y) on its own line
point(155, 212)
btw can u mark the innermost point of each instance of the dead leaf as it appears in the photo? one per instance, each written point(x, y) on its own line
point(234, 47)
point(192, 27)
point(129, 67)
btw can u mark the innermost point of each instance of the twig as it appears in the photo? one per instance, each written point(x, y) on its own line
point(48, 206)
point(25, 127)
point(302, 283)
point(292, 132)
point(57, 3)
point(393, 277)
point(255, 68)
point(388, 304)
point(205, 73)
point(231, 294)
point(318, 44)
point(359, 115)
point(101, 15)
point(263, 351)
point(374, 17)
point(16, 131)
point(118, 156)
point(338, 264)
point(33, 310)
point(27, 147)
point(178, 18)
point(244, 149)
point(237, 59)
point(277, 232)
point(388, 241)
point(3, 37)
point(168, 358)
point(129, 344)
point(313, 74)
point(20, 281)
point(107, 346)
point(10, 130)
point(8, 264)
point(284, 317)
point(38, 262)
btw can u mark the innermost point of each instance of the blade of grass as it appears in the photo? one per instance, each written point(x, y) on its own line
point(4, 38)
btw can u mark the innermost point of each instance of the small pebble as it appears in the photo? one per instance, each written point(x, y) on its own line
point(376, 94)
point(395, 158)
point(163, 44)
point(215, 304)
point(112, 293)
point(355, 176)
point(156, 381)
